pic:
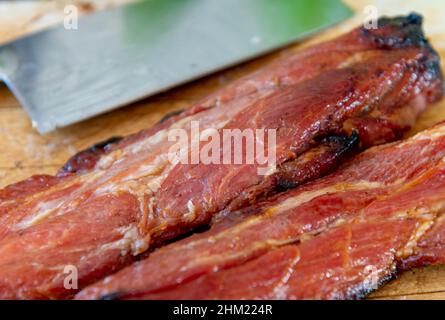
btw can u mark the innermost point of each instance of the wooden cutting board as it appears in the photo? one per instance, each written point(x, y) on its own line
point(24, 152)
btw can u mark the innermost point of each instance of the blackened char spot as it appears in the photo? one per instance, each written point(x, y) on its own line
point(345, 143)
point(402, 21)
point(365, 288)
point(317, 162)
point(86, 159)
point(112, 296)
point(399, 32)
point(170, 115)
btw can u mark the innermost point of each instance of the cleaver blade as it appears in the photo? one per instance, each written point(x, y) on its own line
point(118, 56)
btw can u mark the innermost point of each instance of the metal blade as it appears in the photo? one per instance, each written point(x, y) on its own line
point(122, 55)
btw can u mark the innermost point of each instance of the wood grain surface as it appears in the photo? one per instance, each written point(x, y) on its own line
point(24, 152)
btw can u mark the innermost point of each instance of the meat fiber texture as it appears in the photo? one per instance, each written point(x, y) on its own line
point(112, 203)
point(339, 237)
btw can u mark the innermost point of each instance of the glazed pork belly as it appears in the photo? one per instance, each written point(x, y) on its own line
point(122, 198)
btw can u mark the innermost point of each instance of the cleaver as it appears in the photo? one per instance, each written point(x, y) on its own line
point(118, 56)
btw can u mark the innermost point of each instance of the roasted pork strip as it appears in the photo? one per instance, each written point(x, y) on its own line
point(336, 238)
point(119, 200)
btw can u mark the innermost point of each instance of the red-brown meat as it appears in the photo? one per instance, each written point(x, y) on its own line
point(116, 201)
point(336, 238)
